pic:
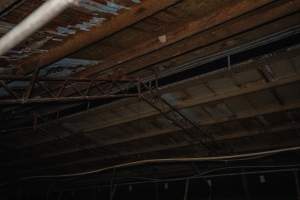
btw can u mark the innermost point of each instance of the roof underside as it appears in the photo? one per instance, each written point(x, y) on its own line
point(226, 78)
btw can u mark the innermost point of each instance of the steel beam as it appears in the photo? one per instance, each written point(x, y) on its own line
point(50, 97)
point(63, 79)
point(62, 99)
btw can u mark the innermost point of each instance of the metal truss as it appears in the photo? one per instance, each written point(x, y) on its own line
point(193, 132)
point(39, 90)
point(106, 88)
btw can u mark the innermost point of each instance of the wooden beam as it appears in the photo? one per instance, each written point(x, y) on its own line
point(195, 34)
point(219, 37)
point(210, 42)
point(210, 122)
point(198, 45)
point(83, 39)
point(187, 103)
point(242, 38)
point(236, 40)
point(181, 32)
point(199, 101)
point(55, 163)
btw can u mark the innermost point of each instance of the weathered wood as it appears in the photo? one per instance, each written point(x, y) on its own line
point(227, 42)
point(210, 42)
point(180, 32)
point(82, 39)
point(209, 122)
point(197, 102)
point(238, 135)
point(181, 105)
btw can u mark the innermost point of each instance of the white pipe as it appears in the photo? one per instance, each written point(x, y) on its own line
point(33, 23)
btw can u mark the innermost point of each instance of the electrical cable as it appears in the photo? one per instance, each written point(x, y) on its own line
point(169, 160)
point(208, 172)
point(173, 160)
point(206, 176)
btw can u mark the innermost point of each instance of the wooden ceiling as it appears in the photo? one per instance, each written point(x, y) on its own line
point(227, 71)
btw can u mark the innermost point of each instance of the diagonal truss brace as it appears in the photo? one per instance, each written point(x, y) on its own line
point(106, 89)
point(193, 132)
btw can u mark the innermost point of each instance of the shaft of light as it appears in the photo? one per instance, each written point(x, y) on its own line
point(45, 13)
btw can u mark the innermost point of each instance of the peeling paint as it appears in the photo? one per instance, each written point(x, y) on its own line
point(63, 31)
point(66, 66)
point(136, 1)
point(110, 7)
point(62, 68)
point(86, 26)
point(83, 26)
point(32, 48)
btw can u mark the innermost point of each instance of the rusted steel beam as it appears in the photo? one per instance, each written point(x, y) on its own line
point(57, 79)
point(46, 89)
point(83, 39)
point(50, 97)
point(181, 32)
point(32, 84)
point(190, 127)
point(177, 118)
point(62, 99)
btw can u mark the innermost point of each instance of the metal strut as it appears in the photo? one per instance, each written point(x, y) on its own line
point(194, 134)
point(60, 90)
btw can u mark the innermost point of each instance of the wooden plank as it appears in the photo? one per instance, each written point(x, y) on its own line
point(179, 33)
point(209, 122)
point(54, 162)
point(82, 39)
point(197, 102)
point(205, 44)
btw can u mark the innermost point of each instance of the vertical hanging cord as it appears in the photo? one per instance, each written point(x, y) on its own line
point(186, 191)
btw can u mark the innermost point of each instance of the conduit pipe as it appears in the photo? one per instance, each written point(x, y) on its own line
point(45, 13)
